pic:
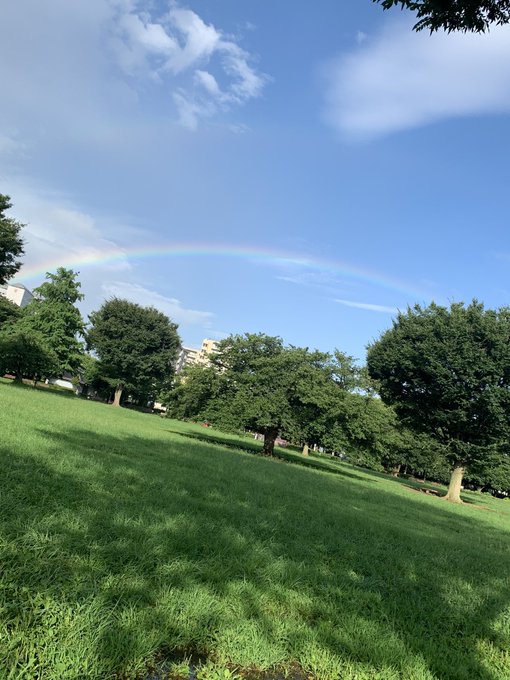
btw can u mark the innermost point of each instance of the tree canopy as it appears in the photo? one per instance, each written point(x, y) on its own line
point(11, 243)
point(257, 382)
point(25, 354)
point(447, 372)
point(9, 312)
point(267, 386)
point(190, 397)
point(454, 15)
point(53, 314)
point(137, 346)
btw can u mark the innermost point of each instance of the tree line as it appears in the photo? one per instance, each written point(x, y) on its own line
point(124, 347)
point(433, 398)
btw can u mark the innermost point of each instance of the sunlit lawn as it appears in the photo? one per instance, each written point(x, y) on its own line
point(129, 541)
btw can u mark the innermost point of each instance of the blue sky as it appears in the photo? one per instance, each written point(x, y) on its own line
point(301, 171)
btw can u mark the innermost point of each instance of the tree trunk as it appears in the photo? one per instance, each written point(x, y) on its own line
point(305, 449)
point(118, 394)
point(270, 434)
point(453, 494)
point(396, 470)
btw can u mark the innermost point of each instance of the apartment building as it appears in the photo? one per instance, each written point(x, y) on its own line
point(208, 347)
point(16, 293)
point(189, 356)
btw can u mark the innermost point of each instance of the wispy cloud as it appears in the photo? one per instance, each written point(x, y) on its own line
point(57, 233)
point(181, 50)
point(368, 306)
point(399, 80)
point(502, 256)
point(115, 59)
point(10, 145)
point(172, 307)
point(318, 279)
point(218, 335)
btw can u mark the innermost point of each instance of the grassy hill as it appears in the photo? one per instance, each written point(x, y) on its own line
point(130, 543)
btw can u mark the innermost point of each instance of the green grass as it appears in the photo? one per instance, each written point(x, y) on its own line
point(128, 541)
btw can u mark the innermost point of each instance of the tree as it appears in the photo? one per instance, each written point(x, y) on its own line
point(256, 382)
point(269, 387)
point(9, 312)
point(54, 314)
point(137, 346)
point(422, 455)
point(454, 15)
point(92, 376)
point(492, 474)
point(325, 402)
point(198, 386)
point(25, 354)
point(11, 243)
point(447, 372)
point(365, 429)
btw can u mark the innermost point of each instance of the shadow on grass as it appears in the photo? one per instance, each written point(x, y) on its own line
point(290, 455)
point(186, 547)
point(437, 490)
point(41, 387)
point(251, 446)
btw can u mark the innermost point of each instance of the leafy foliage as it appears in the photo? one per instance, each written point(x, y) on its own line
point(93, 377)
point(270, 387)
point(53, 314)
point(25, 353)
point(447, 372)
point(257, 382)
point(11, 243)
point(198, 386)
point(137, 346)
point(493, 473)
point(9, 312)
point(365, 429)
point(423, 455)
point(454, 15)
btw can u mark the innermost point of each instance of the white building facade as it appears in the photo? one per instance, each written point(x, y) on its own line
point(16, 293)
point(189, 356)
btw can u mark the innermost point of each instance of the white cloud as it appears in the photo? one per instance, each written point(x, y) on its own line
point(175, 49)
point(191, 111)
point(368, 306)
point(208, 81)
point(247, 82)
point(218, 335)
point(170, 306)
point(198, 40)
point(10, 145)
point(320, 279)
point(59, 234)
point(84, 71)
point(401, 80)
point(138, 39)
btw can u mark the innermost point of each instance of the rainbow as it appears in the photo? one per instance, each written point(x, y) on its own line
point(221, 251)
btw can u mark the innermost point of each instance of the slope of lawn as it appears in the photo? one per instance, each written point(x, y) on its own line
point(129, 541)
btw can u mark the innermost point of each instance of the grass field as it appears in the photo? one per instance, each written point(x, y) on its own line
point(130, 543)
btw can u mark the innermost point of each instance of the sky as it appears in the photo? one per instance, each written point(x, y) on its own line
point(302, 171)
